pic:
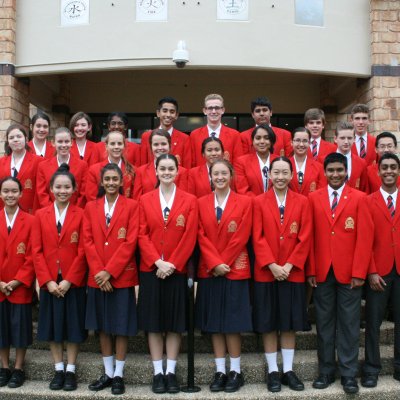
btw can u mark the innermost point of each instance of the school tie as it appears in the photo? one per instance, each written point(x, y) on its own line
point(281, 212)
point(363, 153)
point(81, 157)
point(213, 135)
point(59, 226)
point(300, 177)
point(9, 229)
point(15, 172)
point(265, 173)
point(334, 201)
point(314, 149)
point(108, 219)
point(390, 206)
point(166, 214)
point(219, 214)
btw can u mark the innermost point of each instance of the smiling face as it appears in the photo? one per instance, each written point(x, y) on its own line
point(159, 145)
point(315, 126)
point(385, 145)
point(117, 124)
point(214, 110)
point(62, 143)
point(301, 143)
point(344, 140)
point(212, 152)
point(389, 171)
point(111, 182)
point(115, 144)
point(262, 115)
point(360, 121)
point(10, 193)
point(221, 176)
point(166, 171)
point(40, 129)
point(280, 175)
point(82, 128)
point(16, 140)
point(62, 189)
point(167, 115)
point(261, 141)
point(335, 173)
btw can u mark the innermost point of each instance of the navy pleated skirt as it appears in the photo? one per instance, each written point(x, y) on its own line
point(280, 306)
point(223, 306)
point(162, 305)
point(113, 312)
point(62, 319)
point(15, 325)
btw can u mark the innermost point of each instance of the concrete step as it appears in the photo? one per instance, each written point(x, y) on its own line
point(139, 370)
point(387, 389)
point(252, 343)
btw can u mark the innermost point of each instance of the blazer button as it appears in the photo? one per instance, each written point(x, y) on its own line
point(106, 244)
point(333, 232)
point(281, 238)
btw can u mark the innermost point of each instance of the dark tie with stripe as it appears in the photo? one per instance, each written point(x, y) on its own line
point(219, 214)
point(108, 219)
point(166, 214)
point(265, 173)
point(300, 177)
point(9, 229)
point(390, 206)
point(281, 212)
point(363, 153)
point(213, 135)
point(334, 201)
point(314, 149)
point(59, 227)
point(15, 172)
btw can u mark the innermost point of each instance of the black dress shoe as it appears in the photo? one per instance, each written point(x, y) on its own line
point(274, 382)
point(369, 380)
point(70, 382)
point(158, 385)
point(234, 382)
point(57, 383)
point(17, 379)
point(323, 381)
point(290, 379)
point(219, 382)
point(5, 375)
point(350, 385)
point(103, 382)
point(118, 385)
point(171, 383)
point(396, 374)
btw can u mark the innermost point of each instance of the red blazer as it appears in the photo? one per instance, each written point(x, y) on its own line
point(47, 168)
point(180, 147)
point(146, 179)
point(248, 175)
point(314, 177)
point(278, 243)
point(386, 247)
point(325, 148)
point(27, 177)
point(93, 181)
point(90, 155)
point(371, 153)
point(229, 137)
point(282, 146)
point(359, 177)
point(198, 181)
point(112, 249)
point(374, 181)
point(131, 152)
point(52, 253)
point(174, 240)
point(225, 243)
point(16, 257)
point(343, 242)
point(50, 150)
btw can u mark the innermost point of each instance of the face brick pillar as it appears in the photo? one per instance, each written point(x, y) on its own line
point(14, 92)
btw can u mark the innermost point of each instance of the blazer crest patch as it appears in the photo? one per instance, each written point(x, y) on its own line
point(294, 227)
point(127, 192)
point(242, 261)
point(28, 184)
point(21, 248)
point(74, 237)
point(313, 186)
point(180, 220)
point(358, 183)
point(349, 223)
point(227, 156)
point(122, 233)
point(232, 227)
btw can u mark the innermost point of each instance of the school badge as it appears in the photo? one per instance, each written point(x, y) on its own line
point(282, 153)
point(21, 248)
point(74, 237)
point(294, 227)
point(128, 192)
point(349, 223)
point(227, 156)
point(232, 227)
point(313, 187)
point(241, 262)
point(358, 183)
point(122, 233)
point(180, 221)
point(28, 184)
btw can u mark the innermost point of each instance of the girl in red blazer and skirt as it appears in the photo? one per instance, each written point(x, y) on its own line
point(281, 239)
point(16, 282)
point(223, 300)
point(60, 266)
point(168, 230)
point(111, 227)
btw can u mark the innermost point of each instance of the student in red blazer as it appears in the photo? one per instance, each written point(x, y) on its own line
point(386, 142)
point(252, 169)
point(81, 125)
point(20, 162)
point(214, 110)
point(199, 180)
point(40, 125)
point(261, 111)
point(16, 282)
point(46, 169)
point(308, 174)
point(168, 230)
point(168, 113)
point(118, 121)
point(115, 144)
point(223, 300)
point(111, 227)
point(60, 266)
point(146, 179)
point(339, 261)
point(384, 271)
point(282, 230)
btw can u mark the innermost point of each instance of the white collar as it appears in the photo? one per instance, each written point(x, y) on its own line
point(163, 201)
point(67, 162)
point(60, 217)
point(8, 222)
point(223, 205)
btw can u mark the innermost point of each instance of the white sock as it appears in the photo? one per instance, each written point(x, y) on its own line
point(119, 368)
point(271, 361)
point(287, 358)
point(171, 364)
point(59, 366)
point(109, 366)
point(158, 367)
point(71, 368)
point(235, 364)
point(220, 364)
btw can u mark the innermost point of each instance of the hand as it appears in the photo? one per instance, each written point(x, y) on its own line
point(312, 281)
point(12, 285)
point(221, 270)
point(287, 267)
point(278, 272)
point(4, 289)
point(160, 274)
point(102, 277)
point(376, 282)
point(64, 286)
point(356, 283)
point(106, 287)
point(166, 267)
point(53, 289)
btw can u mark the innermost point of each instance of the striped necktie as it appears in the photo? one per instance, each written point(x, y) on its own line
point(363, 153)
point(265, 173)
point(314, 149)
point(390, 206)
point(334, 201)
point(219, 214)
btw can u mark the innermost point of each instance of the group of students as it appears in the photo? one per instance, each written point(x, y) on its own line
point(265, 222)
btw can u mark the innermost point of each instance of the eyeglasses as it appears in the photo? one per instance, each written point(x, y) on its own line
point(302, 141)
point(216, 108)
point(386, 146)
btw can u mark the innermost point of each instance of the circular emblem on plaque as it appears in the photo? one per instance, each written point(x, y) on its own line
point(151, 6)
point(75, 10)
point(233, 6)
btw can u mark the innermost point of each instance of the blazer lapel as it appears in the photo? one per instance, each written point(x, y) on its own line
point(176, 205)
point(288, 209)
point(255, 166)
point(155, 201)
point(68, 218)
point(230, 206)
point(100, 214)
point(344, 199)
point(380, 201)
point(325, 203)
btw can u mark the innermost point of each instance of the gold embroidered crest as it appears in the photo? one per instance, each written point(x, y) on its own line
point(282, 153)
point(313, 187)
point(294, 227)
point(128, 192)
point(21, 248)
point(349, 223)
point(227, 156)
point(180, 221)
point(122, 233)
point(241, 262)
point(74, 237)
point(28, 184)
point(178, 157)
point(232, 226)
point(358, 183)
